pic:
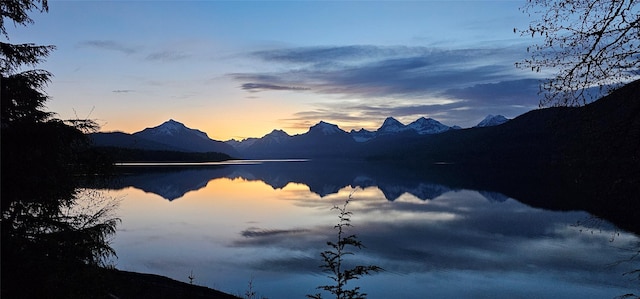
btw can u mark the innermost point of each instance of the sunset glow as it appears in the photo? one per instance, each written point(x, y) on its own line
point(241, 69)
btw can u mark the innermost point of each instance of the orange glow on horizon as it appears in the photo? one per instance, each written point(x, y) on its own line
point(257, 121)
point(233, 129)
point(233, 119)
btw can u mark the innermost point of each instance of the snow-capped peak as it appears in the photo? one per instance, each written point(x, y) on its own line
point(325, 128)
point(391, 125)
point(172, 127)
point(277, 134)
point(427, 126)
point(362, 135)
point(169, 127)
point(492, 120)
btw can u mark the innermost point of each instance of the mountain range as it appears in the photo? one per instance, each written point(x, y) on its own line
point(326, 140)
point(322, 139)
point(608, 129)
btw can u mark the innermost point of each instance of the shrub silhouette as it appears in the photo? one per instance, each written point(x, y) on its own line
point(334, 260)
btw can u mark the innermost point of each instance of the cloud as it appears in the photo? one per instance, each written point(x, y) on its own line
point(332, 56)
point(109, 45)
point(384, 71)
point(512, 92)
point(123, 90)
point(492, 237)
point(167, 56)
point(256, 87)
point(455, 86)
point(256, 232)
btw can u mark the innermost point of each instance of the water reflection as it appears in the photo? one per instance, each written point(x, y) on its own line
point(548, 188)
point(321, 178)
point(435, 236)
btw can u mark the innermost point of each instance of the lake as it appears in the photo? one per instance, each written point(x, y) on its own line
point(437, 232)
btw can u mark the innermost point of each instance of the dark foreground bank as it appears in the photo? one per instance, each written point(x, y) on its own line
point(63, 281)
point(124, 284)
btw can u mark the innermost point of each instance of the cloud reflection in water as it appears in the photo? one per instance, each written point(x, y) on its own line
point(452, 243)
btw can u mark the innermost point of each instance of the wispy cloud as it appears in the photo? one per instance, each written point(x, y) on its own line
point(257, 232)
point(123, 90)
point(116, 46)
point(109, 45)
point(383, 71)
point(256, 87)
point(398, 81)
point(323, 55)
point(167, 56)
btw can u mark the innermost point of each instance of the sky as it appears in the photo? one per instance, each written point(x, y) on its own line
point(239, 69)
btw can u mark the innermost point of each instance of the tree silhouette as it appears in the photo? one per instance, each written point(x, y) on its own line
point(23, 94)
point(53, 233)
point(593, 46)
point(334, 263)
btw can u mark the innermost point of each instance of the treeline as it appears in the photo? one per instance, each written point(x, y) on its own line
point(119, 154)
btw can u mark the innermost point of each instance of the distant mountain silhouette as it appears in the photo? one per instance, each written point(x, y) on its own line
point(326, 140)
point(275, 138)
point(282, 145)
point(170, 135)
point(323, 140)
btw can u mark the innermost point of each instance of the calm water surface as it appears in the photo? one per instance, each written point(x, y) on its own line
point(267, 222)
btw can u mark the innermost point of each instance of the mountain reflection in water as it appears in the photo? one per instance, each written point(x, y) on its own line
point(171, 182)
point(442, 231)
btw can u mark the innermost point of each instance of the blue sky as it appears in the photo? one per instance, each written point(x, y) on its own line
point(238, 69)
